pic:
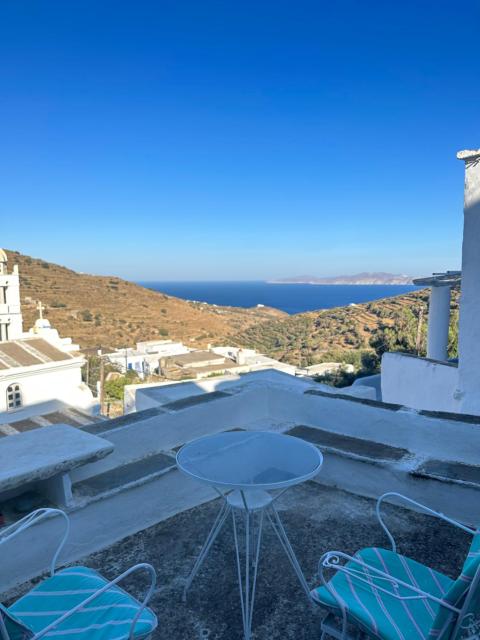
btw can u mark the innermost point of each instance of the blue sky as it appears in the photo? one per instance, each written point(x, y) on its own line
point(219, 140)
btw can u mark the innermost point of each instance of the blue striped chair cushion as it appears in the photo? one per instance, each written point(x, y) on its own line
point(108, 617)
point(379, 614)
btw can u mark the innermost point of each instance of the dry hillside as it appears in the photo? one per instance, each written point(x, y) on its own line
point(111, 312)
point(389, 324)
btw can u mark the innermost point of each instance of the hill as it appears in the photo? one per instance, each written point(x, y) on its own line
point(344, 333)
point(377, 277)
point(111, 312)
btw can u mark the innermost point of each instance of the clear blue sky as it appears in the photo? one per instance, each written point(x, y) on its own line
point(237, 140)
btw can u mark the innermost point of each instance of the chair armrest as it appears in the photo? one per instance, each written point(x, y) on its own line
point(332, 560)
point(106, 587)
point(431, 512)
point(33, 518)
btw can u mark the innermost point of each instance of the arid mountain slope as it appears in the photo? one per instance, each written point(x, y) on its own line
point(111, 312)
point(394, 323)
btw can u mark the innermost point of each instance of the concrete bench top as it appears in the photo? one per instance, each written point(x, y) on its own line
point(43, 453)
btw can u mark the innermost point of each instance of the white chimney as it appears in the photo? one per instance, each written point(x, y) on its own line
point(241, 359)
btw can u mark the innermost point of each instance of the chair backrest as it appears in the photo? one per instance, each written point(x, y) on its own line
point(465, 595)
point(11, 628)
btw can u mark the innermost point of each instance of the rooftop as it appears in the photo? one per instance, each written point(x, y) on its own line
point(47, 414)
point(317, 519)
point(157, 514)
point(29, 351)
point(195, 357)
point(445, 279)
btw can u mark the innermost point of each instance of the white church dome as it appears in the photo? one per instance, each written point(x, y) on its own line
point(42, 323)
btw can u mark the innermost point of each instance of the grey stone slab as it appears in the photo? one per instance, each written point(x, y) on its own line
point(455, 417)
point(186, 403)
point(104, 426)
point(43, 453)
point(123, 475)
point(177, 449)
point(348, 444)
point(449, 472)
point(344, 396)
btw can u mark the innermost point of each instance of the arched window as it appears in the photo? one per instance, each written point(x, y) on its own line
point(14, 397)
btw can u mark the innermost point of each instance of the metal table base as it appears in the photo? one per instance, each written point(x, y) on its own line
point(255, 507)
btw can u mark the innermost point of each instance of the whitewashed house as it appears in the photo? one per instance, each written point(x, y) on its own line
point(435, 383)
point(37, 368)
point(145, 358)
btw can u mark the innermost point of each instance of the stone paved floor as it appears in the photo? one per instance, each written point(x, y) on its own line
point(317, 519)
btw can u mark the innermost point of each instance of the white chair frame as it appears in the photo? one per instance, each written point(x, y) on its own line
point(333, 560)
point(41, 514)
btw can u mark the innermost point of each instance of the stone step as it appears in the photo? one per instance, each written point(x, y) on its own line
point(449, 472)
point(124, 476)
point(340, 444)
point(370, 469)
point(103, 427)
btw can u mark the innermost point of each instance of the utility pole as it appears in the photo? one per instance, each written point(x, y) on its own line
point(102, 381)
point(418, 341)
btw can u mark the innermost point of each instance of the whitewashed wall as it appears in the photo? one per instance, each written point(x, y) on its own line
point(63, 383)
point(419, 383)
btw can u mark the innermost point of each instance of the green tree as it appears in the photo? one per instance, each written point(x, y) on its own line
point(115, 388)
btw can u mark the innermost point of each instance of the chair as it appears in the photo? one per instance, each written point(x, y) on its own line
point(77, 602)
point(381, 594)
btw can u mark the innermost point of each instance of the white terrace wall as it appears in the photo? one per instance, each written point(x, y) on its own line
point(279, 405)
point(419, 383)
point(425, 434)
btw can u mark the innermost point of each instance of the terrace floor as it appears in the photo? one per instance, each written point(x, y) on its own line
point(317, 519)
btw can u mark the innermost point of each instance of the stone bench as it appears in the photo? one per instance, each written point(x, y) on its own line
point(43, 458)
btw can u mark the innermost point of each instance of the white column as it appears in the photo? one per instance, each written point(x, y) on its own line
point(438, 323)
point(468, 392)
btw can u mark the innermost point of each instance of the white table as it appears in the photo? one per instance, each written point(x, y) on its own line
point(245, 468)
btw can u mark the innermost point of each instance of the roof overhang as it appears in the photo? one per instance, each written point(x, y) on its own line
point(446, 279)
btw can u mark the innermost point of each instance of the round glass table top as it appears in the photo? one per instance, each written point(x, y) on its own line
point(250, 460)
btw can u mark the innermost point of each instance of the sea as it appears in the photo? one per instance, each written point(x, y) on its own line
point(292, 298)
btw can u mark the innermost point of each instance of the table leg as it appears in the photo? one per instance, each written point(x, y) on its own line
point(279, 529)
point(215, 530)
point(247, 583)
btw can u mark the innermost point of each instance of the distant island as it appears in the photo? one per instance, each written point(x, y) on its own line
point(378, 277)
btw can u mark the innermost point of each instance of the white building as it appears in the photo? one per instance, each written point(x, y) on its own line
point(435, 383)
point(36, 367)
point(145, 358)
